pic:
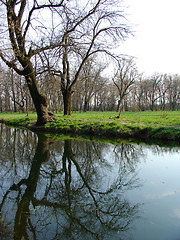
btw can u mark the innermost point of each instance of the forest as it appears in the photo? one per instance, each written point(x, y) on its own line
point(93, 92)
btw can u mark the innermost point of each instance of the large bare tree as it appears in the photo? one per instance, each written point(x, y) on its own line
point(20, 42)
point(86, 28)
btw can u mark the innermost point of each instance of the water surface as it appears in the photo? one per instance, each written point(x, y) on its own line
point(69, 189)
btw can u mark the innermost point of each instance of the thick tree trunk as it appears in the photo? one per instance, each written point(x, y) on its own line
point(40, 100)
point(67, 102)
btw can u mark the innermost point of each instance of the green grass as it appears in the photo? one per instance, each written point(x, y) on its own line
point(168, 118)
point(160, 118)
point(18, 117)
point(160, 125)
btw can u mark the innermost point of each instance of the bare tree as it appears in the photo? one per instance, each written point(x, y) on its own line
point(91, 81)
point(124, 78)
point(162, 89)
point(139, 94)
point(153, 93)
point(173, 92)
point(17, 48)
point(87, 28)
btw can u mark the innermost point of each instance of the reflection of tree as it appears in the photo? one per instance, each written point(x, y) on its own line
point(128, 154)
point(67, 198)
point(90, 212)
point(5, 232)
point(16, 147)
point(157, 150)
point(22, 217)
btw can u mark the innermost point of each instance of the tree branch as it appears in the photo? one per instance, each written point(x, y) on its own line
point(38, 8)
point(11, 64)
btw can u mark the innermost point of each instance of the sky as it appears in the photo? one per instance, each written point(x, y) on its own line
point(156, 41)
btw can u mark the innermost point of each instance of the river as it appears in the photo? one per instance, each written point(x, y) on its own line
point(53, 188)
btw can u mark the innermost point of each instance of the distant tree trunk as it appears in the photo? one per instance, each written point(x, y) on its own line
point(1, 107)
point(13, 91)
point(86, 104)
point(95, 102)
point(7, 100)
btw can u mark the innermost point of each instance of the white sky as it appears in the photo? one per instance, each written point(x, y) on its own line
point(156, 43)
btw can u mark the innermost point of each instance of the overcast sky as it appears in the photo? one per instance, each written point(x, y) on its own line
point(156, 43)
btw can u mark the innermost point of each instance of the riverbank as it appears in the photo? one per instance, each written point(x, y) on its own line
point(139, 125)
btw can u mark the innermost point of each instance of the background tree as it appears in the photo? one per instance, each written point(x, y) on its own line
point(173, 92)
point(153, 93)
point(162, 89)
point(124, 78)
point(140, 94)
point(90, 82)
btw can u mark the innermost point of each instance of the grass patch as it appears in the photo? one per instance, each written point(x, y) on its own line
point(144, 125)
point(18, 118)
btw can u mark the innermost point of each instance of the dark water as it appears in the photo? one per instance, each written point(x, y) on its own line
point(69, 189)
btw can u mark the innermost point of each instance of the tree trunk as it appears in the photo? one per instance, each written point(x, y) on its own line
point(40, 100)
point(119, 108)
point(13, 91)
point(22, 216)
point(152, 106)
point(1, 106)
point(67, 102)
point(85, 105)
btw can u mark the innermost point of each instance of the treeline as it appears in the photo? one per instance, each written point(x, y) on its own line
point(93, 92)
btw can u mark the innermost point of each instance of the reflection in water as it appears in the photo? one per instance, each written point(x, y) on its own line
point(65, 189)
point(77, 193)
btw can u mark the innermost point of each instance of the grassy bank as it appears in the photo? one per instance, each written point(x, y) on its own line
point(142, 125)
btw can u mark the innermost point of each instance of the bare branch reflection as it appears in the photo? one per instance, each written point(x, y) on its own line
point(69, 190)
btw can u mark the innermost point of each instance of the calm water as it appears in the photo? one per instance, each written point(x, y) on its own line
point(68, 189)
